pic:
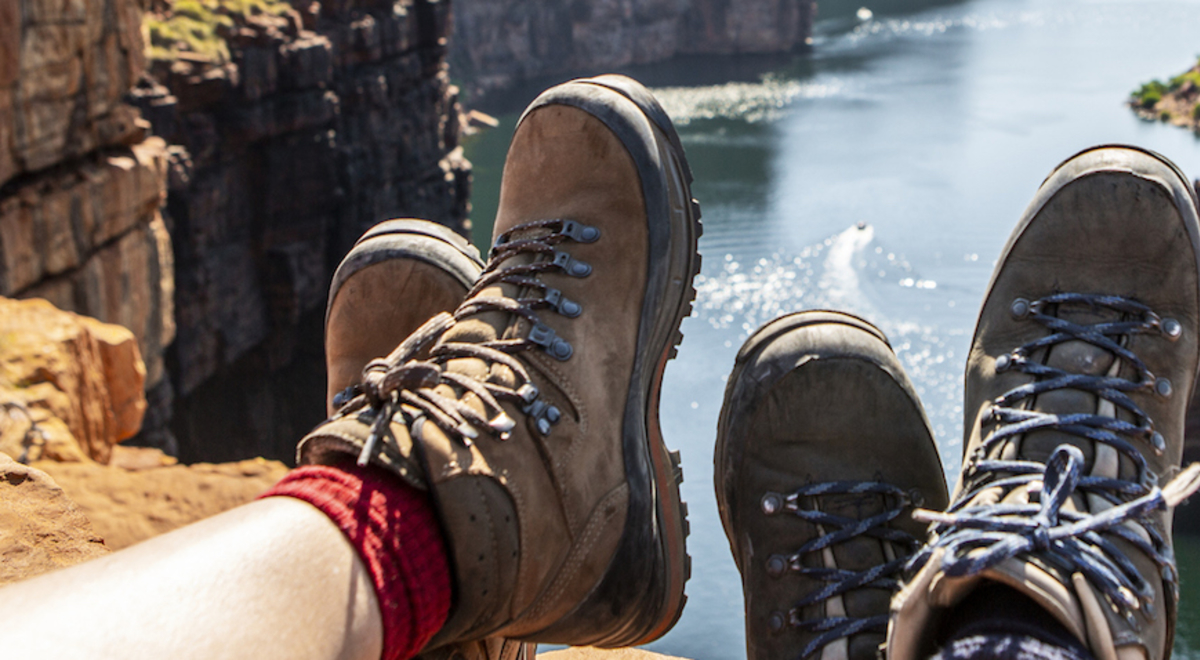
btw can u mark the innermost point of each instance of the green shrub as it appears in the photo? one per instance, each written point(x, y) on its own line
point(196, 26)
point(1149, 94)
point(1192, 76)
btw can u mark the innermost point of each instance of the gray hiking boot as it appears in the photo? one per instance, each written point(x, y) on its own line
point(533, 423)
point(823, 451)
point(1079, 375)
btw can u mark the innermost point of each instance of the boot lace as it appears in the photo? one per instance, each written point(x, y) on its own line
point(399, 383)
point(977, 537)
point(837, 581)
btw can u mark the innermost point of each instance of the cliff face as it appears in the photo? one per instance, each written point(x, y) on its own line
point(500, 42)
point(291, 135)
point(80, 181)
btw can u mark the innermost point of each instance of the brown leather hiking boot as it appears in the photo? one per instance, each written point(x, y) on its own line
point(397, 276)
point(1079, 375)
point(534, 421)
point(822, 452)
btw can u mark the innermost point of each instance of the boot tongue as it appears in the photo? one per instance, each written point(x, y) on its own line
point(490, 326)
point(1075, 357)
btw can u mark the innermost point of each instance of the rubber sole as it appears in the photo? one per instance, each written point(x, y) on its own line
point(641, 596)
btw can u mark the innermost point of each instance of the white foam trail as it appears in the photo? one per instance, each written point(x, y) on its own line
point(840, 281)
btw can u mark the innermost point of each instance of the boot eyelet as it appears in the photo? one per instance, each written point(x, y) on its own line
point(572, 266)
point(771, 503)
point(535, 408)
point(528, 392)
point(1158, 442)
point(1163, 387)
point(775, 622)
point(560, 349)
point(1020, 308)
point(570, 308)
point(1172, 329)
point(561, 304)
point(1003, 362)
point(579, 232)
point(776, 565)
point(544, 336)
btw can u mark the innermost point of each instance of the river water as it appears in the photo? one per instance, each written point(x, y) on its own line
point(934, 127)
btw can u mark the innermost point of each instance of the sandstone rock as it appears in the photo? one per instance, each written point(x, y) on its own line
point(90, 239)
point(40, 528)
point(60, 365)
point(142, 494)
point(64, 67)
point(33, 433)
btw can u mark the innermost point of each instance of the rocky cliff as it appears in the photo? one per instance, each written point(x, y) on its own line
point(281, 135)
point(80, 180)
point(291, 132)
point(500, 42)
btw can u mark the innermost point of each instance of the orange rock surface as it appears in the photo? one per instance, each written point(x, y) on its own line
point(61, 366)
point(71, 388)
point(143, 493)
point(40, 528)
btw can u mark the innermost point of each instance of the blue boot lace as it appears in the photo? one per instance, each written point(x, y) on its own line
point(840, 529)
point(977, 537)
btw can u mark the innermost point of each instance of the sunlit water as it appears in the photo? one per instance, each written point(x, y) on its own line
point(934, 129)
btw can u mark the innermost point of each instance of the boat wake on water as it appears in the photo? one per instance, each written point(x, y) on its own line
point(850, 271)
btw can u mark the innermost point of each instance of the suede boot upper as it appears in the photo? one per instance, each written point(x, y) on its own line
point(1077, 383)
point(533, 422)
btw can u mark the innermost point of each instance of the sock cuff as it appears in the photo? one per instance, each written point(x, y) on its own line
point(394, 530)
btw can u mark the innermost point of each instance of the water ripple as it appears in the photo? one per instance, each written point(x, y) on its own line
point(750, 102)
point(852, 272)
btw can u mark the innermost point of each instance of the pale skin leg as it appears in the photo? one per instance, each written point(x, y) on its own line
point(271, 579)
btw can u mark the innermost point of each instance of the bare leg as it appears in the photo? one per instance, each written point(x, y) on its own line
point(272, 579)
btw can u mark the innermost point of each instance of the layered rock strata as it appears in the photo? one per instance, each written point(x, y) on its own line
point(80, 180)
point(497, 43)
point(316, 125)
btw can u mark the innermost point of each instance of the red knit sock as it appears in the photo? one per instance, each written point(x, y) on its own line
point(393, 528)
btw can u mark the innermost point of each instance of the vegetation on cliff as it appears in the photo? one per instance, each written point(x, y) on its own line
point(202, 28)
point(1177, 100)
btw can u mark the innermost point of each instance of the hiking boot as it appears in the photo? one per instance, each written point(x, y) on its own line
point(395, 278)
point(1079, 375)
point(823, 451)
point(534, 421)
